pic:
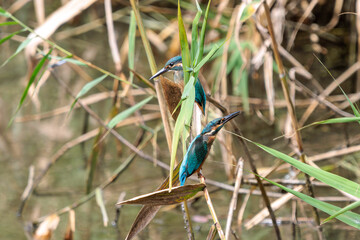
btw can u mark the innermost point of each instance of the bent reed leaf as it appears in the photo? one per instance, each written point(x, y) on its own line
point(147, 212)
point(164, 197)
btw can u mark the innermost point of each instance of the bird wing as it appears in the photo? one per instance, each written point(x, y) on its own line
point(193, 159)
point(200, 97)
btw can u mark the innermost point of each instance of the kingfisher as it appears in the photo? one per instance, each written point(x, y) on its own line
point(175, 65)
point(200, 147)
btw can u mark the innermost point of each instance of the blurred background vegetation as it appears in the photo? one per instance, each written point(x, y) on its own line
point(58, 148)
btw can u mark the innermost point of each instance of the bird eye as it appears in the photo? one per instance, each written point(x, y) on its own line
point(171, 64)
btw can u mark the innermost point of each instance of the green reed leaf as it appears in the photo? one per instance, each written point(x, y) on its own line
point(194, 32)
point(87, 87)
point(126, 113)
point(331, 179)
point(213, 50)
point(8, 23)
point(183, 119)
point(202, 35)
point(18, 50)
point(342, 211)
point(31, 81)
point(347, 217)
point(10, 36)
point(185, 52)
point(4, 13)
point(132, 38)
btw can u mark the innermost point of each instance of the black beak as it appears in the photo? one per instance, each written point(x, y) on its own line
point(163, 70)
point(230, 116)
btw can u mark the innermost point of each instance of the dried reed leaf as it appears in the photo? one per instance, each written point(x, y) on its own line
point(269, 84)
point(164, 197)
point(100, 203)
point(70, 229)
point(45, 229)
point(147, 213)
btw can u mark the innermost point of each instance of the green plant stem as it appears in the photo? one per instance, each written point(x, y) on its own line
point(291, 109)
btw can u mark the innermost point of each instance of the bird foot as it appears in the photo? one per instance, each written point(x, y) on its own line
point(200, 175)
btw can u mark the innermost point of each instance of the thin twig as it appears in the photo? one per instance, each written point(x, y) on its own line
point(232, 205)
point(187, 220)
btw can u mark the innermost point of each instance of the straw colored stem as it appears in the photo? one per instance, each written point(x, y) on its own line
point(212, 210)
point(187, 220)
point(232, 205)
point(113, 46)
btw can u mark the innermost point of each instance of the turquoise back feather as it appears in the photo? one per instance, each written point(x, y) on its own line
point(194, 157)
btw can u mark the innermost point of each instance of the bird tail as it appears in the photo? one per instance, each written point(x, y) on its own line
point(182, 178)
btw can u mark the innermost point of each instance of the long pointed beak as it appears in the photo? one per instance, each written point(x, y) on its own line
point(163, 70)
point(230, 116)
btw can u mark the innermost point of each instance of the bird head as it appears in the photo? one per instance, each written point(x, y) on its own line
point(213, 127)
point(174, 64)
